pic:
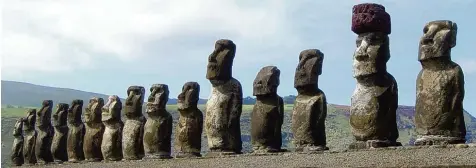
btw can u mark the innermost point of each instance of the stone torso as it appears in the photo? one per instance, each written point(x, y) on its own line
point(157, 135)
point(58, 146)
point(17, 150)
point(92, 141)
point(132, 145)
point(370, 112)
point(111, 145)
point(266, 122)
point(434, 101)
point(29, 146)
point(75, 142)
point(222, 120)
point(43, 143)
point(189, 132)
point(308, 119)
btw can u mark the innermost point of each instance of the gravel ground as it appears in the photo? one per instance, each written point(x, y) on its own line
point(396, 157)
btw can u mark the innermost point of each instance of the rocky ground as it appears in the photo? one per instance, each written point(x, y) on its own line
point(435, 156)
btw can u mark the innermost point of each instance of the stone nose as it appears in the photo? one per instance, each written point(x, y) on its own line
point(426, 40)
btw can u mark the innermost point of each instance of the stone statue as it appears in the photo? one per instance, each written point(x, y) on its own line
point(94, 130)
point(17, 147)
point(158, 127)
point(224, 106)
point(310, 107)
point(60, 138)
point(375, 99)
point(45, 132)
point(268, 112)
point(188, 133)
point(76, 132)
point(440, 88)
point(133, 131)
point(111, 146)
point(29, 134)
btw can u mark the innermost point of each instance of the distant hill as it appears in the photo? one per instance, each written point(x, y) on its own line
point(27, 94)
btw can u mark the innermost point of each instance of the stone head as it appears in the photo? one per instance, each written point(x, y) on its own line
point(111, 111)
point(159, 95)
point(92, 113)
point(134, 101)
point(309, 68)
point(18, 129)
point(44, 114)
point(189, 96)
point(29, 121)
point(438, 38)
point(371, 55)
point(75, 111)
point(220, 62)
point(61, 115)
point(266, 81)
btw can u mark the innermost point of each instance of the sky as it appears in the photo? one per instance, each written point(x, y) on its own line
point(106, 46)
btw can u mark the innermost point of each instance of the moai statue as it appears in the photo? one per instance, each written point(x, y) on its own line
point(17, 147)
point(94, 130)
point(76, 132)
point(440, 88)
point(268, 112)
point(158, 127)
point(310, 107)
point(45, 132)
point(224, 106)
point(111, 146)
point(133, 131)
point(29, 134)
point(60, 138)
point(188, 133)
point(375, 99)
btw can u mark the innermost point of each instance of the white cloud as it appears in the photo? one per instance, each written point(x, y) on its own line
point(45, 35)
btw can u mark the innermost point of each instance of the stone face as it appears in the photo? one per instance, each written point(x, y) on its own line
point(224, 106)
point(370, 17)
point(111, 145)
point(94, 130)
point(268, 112)
point(29, 134)
point(158, 128)
point(17, 147)
point(375, 98)
point(133, 131)
point(45, 133)
point(310, 107)
point(60, 138)
point(188, 133)
point(76, 131)
point(440, 88)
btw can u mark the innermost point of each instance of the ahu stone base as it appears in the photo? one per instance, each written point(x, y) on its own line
point(437, 140)
point(373, 144)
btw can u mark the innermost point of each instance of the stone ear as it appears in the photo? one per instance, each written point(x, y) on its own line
point(454, 31)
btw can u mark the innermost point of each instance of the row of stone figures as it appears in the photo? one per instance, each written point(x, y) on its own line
point(438, 116)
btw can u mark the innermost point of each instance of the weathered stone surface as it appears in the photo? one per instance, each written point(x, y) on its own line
point(224, 106)
point(76, 131)
point(268, 112)
point(45, 133)
point(17, 147)
point(158, 127)
point(188, 132)
point(310, 107)
point(440, 87)
point(370, 17)
point(133, 131)
point(60, 138)
point(94, 130)
point(375, 98)
point(111, 145)
point(29, 134)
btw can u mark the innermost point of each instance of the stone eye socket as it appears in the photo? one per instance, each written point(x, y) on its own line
point(425, 30)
